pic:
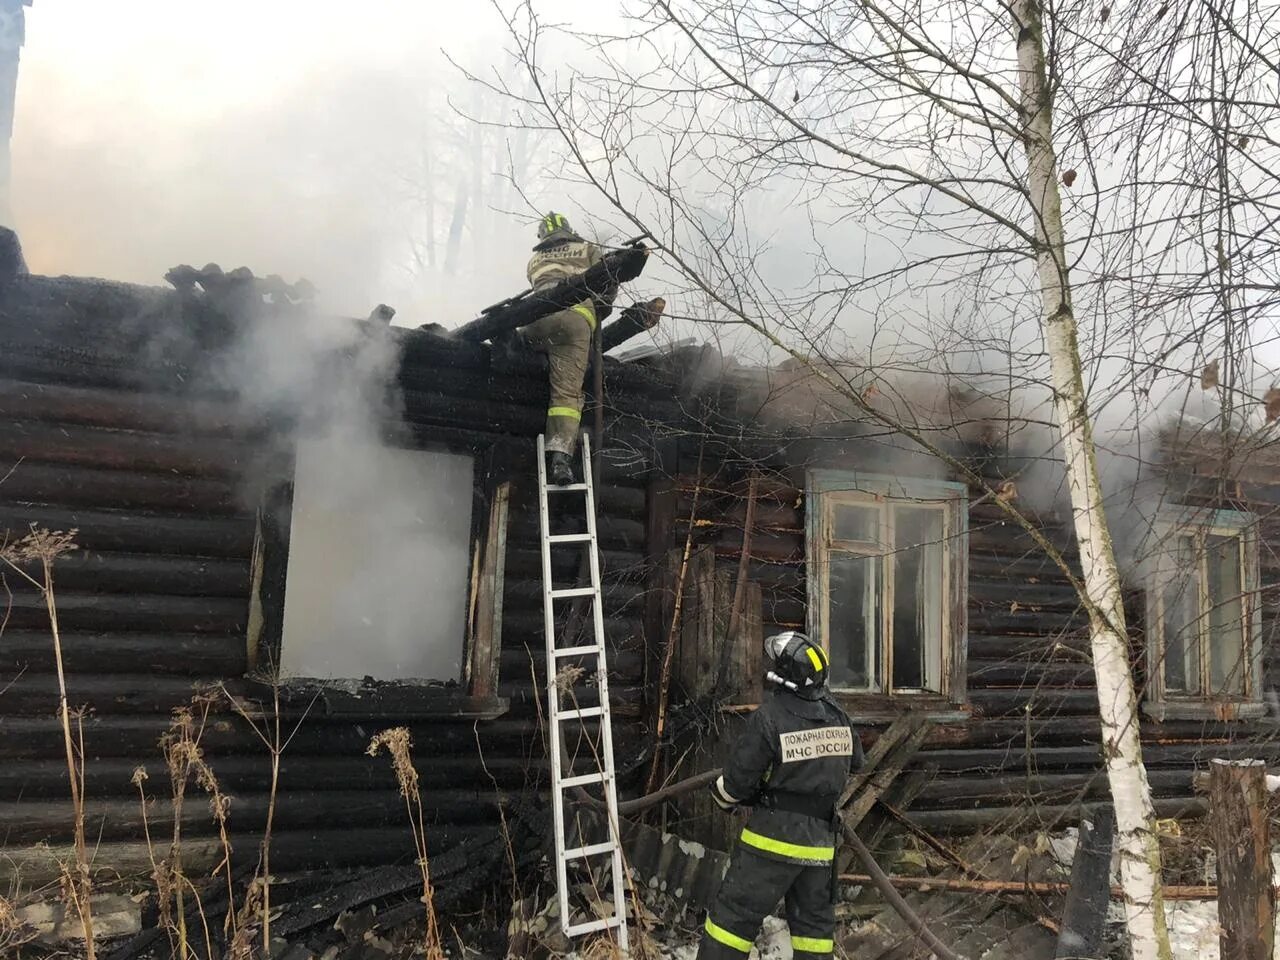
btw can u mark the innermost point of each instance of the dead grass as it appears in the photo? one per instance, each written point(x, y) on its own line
point(259, 895)
point(44, 547)
point(399, 744)
point(13, 932)
point(185, 763)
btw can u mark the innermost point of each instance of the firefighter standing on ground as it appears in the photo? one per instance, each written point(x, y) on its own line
point(564, 336)
point(790, 764)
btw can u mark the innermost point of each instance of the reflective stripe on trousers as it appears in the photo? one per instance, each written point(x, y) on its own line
point(812, 945)
point(785, 849)
point(731, 940)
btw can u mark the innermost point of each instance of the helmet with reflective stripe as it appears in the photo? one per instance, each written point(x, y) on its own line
point(553, 223)
point(797, 663)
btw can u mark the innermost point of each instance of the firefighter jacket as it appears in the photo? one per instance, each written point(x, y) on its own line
point(555, 261)
point(790, 763)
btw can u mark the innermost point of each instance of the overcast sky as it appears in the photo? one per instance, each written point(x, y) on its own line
point(286, 136)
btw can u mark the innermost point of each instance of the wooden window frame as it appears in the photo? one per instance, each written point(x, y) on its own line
point(824, 490)
point(476, 696)
point(1200, 523)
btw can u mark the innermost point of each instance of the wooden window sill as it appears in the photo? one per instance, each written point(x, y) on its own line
point(871, 707)
point(1222, 710)
point(379, 700)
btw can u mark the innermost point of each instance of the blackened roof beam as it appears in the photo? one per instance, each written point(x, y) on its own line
point(597, 283)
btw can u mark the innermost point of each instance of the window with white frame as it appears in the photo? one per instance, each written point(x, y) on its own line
point(1202, 612)
point(887, 581)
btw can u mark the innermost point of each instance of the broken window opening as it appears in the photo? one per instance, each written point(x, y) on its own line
point(1202, 610)
point(378, 562)
point(887, 559)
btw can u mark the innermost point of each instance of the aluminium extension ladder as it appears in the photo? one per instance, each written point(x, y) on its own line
point(602, 757)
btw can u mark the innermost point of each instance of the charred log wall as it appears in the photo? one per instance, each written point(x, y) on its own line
point(113, 428)
point(1030, 751)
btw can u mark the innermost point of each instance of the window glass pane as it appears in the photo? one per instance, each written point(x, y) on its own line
point(855, 585)
point(1181, 618)
point(1227, 658)
point(850, 522)
point(917, 598)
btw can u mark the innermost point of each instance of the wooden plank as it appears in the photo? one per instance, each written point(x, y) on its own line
point(898, 731)
point(889, 764)
point(709, 639)
point(716, 681)
point(486, 648)
point(750, 646)
point(888, 809)
point(1085, 915)
point(735, 611)
point(660, 507)
point(1241, 838)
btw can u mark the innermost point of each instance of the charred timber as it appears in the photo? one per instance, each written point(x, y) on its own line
point(107, 778)
point(118, 530)
point(35, 694)
point(123, 449)
point(626, 566)
point(76, 485)
point(137, 736)
point(124, 409)
point(616, 266)
point(147, 612)
point(172, 654)
point(957, 793)
point(1013, 818)
point(521, 627)
point(93, 572)
point(30, 822)
point(635, 320)
point(349, 846)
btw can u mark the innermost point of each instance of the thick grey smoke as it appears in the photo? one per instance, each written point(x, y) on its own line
point(379, 533)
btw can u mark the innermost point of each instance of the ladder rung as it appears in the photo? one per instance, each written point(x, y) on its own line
point(552, 488)
point(573, 592)
point(584, 714)
point(580, 651)
point(591, 926)
point(591, 850)
point(582, 779)
point(569, 538)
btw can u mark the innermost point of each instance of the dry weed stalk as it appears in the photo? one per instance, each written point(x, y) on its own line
point(45, 547)
point(184, 760)
point(13, 932)
point(398, 743)
point(241, 944)
point(270, 734)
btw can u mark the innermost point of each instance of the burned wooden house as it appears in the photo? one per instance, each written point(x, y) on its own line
point(256, 491)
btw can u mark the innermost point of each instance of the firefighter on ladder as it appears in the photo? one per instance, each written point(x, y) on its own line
point(789, 764)
point(565, 337)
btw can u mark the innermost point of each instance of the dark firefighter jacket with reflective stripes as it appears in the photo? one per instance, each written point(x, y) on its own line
point(792, 747)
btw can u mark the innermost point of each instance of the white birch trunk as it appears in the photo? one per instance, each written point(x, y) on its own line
point(1117, 703)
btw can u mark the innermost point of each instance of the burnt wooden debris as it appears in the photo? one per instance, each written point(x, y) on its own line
point(617, 266)
point(1085, 915)
point(1241, 829)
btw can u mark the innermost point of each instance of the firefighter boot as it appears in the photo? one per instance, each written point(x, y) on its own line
point(559, 468)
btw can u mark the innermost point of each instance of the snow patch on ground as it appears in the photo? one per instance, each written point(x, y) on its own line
point(1193, 924)
point(773, 943)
